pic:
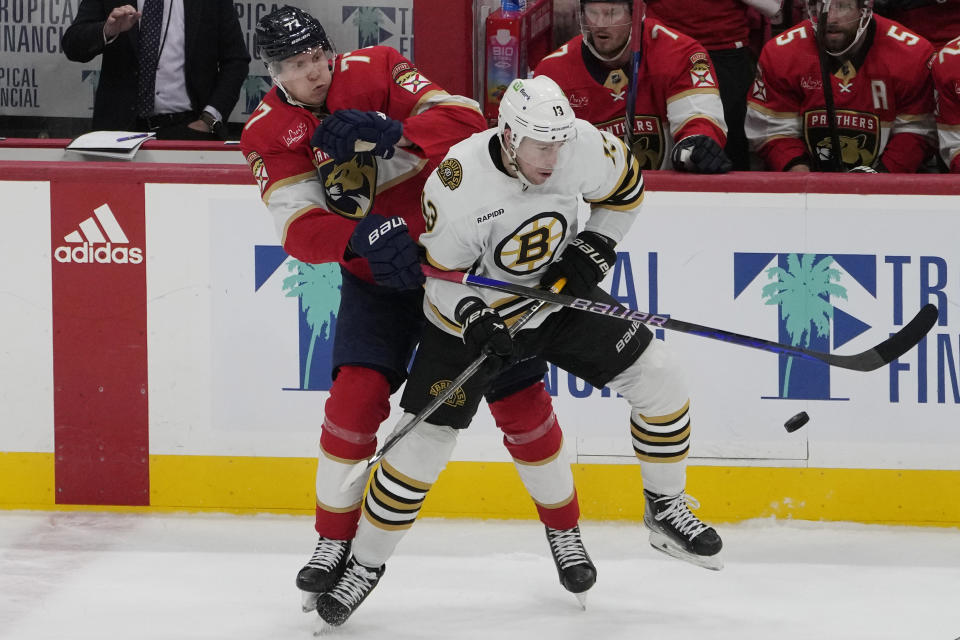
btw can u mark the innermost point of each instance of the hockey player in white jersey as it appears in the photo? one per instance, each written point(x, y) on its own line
point(504, 204)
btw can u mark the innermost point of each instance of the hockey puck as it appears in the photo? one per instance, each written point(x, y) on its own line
point(796, 422)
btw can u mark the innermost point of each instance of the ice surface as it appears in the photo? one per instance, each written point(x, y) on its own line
point(75, 575)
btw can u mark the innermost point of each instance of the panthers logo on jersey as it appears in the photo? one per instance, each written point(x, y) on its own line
point(858, 133)
point(532, 245)
point(350, 186)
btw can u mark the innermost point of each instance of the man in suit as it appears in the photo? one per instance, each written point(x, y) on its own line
point(174, 67)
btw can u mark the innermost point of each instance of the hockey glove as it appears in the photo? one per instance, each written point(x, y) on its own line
point(391, 252)
point(339, 133)
point(700, 154)
point(583, 263)
point(484, 331)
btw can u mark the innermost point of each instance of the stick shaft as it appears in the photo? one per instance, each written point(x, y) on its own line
point(874, 358)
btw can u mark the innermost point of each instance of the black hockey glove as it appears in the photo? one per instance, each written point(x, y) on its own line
point(700, 154)
point(339, 133)
point(583, 263)
point(391, 252)
point(484, 331)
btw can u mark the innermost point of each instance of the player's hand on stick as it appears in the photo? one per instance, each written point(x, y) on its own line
point(484, 331)
point(392, 253)
point(583, 264)
point(340, 132)
point(700, 154)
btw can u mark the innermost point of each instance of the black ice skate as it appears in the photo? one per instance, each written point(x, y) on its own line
point(322, 570)
point(356, 583)
point(675, 531)
point(576, 571)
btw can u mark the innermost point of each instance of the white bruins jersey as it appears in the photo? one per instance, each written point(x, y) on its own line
point(479, 219)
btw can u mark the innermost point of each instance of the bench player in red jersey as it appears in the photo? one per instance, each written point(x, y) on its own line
point(946, 79)
point(679, 117)
point(881, 86)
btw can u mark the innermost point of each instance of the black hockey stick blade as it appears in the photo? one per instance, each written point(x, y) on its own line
point(907, 338)
point(880, 355)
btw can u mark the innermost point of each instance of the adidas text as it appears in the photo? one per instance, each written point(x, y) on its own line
point(102, 254)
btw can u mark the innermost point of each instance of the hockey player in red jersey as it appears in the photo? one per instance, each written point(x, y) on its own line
point(881, 86)
point(340, 148)
point(724, 29)
point(946, 79)
point(679, 117)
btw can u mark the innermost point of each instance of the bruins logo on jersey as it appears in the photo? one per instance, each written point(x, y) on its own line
point(859, 135)
point(450, 173)
point(458, 399)
point(351, 185)
point(532, 244)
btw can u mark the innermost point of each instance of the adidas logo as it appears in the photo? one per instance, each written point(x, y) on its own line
point(90, 234)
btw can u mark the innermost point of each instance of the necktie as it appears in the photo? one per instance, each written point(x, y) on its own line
point(149, 54)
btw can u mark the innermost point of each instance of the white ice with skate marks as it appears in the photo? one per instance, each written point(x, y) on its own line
point(158, 577)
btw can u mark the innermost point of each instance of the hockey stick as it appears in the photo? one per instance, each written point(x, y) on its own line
point(361, 470)
point(880, 355)
point(636, 44)
point(836, 159)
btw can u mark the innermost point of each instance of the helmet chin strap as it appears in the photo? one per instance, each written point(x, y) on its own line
point(310, 107)
point(514, 164)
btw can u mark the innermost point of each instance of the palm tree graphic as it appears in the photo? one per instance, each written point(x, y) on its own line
point(803, 292)
point(318, 287)
point(367, 21)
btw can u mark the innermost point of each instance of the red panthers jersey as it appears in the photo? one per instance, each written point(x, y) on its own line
point(315, 201)
point(938, 22)
point(883, 99)
point(716, 24)
point(677, 93)
point(946, 79)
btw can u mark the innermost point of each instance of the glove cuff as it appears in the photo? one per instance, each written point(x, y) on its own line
point(467, 306)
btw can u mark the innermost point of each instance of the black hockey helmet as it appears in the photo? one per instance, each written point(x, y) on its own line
point(286, 32)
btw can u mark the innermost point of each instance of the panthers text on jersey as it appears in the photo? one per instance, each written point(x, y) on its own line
point(677, 93)
point(480, 218)
point(946, 78)
point(315, 201)
point(883, 99)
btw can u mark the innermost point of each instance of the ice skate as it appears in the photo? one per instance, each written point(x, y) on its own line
point(322, 570)
point(576, 570)
point(674, 530)
point(356, 583)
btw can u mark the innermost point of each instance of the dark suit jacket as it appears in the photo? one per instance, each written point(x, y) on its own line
point(216, 58)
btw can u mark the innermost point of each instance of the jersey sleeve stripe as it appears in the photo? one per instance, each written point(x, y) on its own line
point(780, 115)
point(629, 191)
point(447, 322)
point(691, 92)
point(439, 97)
point(286, 182)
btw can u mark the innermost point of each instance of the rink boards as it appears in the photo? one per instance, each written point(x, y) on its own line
point(160, 350)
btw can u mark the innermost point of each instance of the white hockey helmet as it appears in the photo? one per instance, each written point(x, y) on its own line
point(534, 108)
